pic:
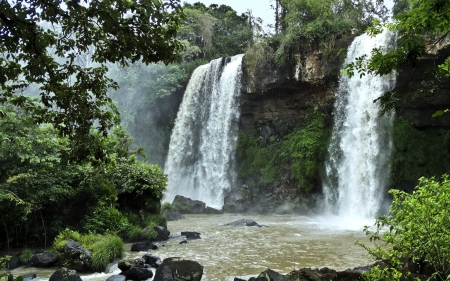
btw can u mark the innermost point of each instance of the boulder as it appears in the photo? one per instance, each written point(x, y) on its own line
point(65, 274)
point(75, 256)
point(117, 278)
point(177, 269)
point(112, 266)
point(172, 215)
point(143, 246)
point(151, 260)
point(244, 222)
point(270, 275)
point(137, 273)
point(163, 233)
point(188, 206)
point(127, 264)
point(191, 235)
point(237, 200)
point(183, 242)
point(212, 211)
point(44, 259)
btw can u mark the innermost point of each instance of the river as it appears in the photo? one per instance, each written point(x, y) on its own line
point(285, 243)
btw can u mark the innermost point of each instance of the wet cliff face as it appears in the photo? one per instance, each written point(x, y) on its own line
point(426, 92)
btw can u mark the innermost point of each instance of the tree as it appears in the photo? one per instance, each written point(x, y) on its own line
point(416, 230)
point(42, 41)
point(422, 26)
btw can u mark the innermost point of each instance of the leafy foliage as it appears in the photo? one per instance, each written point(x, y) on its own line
point(73, 92)
point(418, 153)
point(299, 154)
point(421, 26)
point(416, 229)
point(104, 248)
point(314, 23)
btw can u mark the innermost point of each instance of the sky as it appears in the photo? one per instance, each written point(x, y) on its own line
point(260, 8)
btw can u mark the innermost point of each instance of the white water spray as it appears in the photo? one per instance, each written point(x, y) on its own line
point(200, 162)
point(357, 169)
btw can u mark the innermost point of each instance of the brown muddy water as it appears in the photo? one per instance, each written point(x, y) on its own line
point(285, 243)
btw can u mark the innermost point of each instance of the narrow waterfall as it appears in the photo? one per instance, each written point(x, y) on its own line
point(200, 163)
point(357, 168)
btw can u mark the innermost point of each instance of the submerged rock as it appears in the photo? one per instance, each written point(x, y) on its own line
point(143, 246)
point(177, 269)
point(65, 274)
point(152, 260)
point(137, 273)
point(191, 235)
point(244, 222)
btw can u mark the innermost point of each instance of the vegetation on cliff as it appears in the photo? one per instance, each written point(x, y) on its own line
point(296, 157)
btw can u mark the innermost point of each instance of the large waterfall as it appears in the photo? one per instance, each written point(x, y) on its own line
point(200, 163)
point(357, 169)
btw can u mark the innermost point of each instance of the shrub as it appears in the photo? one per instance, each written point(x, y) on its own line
point(104, 248)
point(26, 256)
point(105, 220)
point(417, 228)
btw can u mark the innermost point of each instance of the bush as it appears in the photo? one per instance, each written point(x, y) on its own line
point(26, 256)
point(105, 220)
point(104, 248)
point(417, 229)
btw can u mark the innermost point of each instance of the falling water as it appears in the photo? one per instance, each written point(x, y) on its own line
point(201, 151)
point(358, 166)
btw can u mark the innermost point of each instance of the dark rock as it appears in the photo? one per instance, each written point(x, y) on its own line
point(75, 256)
point(191, 235)
point(65, 274)
point(137, 273)
point(143, 246)
point(152, 260)
point(243, 222)
point(325, 270)
point(13, 262)
point(29, 277)
point(212, 211)
point(163, 233)
point(127, 264)
point(188, 206)
point(112, 266)
point(270, 275)
point(237, 200)
point(183, 242)
point(117, 278)
point(238, 279)
point(172, 216)
point(44, 259)
point(177, 269)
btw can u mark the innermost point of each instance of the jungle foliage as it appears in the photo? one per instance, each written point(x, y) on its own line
point(412, 240)
point(421, 26)
point(299, 155)
point(63, 47)
point(42, 193)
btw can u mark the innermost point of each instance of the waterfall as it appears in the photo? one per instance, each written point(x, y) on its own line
point(200, 162)
point(357, 169)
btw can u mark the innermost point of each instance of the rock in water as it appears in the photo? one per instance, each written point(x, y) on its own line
point(177, 269)
point(44, 259)
point(244, 222)
point(188, 206)
point(65, 274)
point(191, 235)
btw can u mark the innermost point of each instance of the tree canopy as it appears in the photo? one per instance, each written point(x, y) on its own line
point(63, 47)
point(423, 27)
